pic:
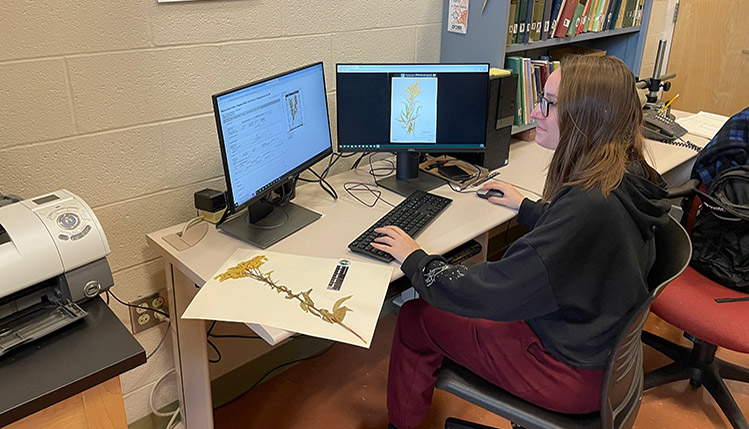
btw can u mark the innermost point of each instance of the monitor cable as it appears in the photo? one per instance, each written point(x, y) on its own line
point(376, 172)
point(356, 163)
point(351, 187)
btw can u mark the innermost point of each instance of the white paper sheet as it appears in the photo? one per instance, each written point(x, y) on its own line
point(703, 124)
point(253, 301)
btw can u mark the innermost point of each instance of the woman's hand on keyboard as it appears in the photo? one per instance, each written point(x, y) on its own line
point(395, 242)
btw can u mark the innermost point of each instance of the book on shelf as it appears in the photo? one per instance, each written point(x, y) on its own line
point(532, 77)
point(553, 18)
point(583, 18)
point(638, 12)
point(529, 92)
point(515, 64)
point(600, 16)
point(520, 13)
point(528, 21)
point(546, 21)
point(579, 8)
point(620, 16)
point(512, 26)
point(590, 17)
point(542, 70)
point(613, 17)
point(608, 14)
point(566, 12)
point(537, 20)
point(629, 14)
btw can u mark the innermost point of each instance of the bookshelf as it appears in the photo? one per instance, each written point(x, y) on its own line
point(486, 39)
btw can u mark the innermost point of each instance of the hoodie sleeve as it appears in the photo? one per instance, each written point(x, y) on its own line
point(514, 288)
point(531, 211)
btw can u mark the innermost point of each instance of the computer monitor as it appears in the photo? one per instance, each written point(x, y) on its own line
point(269, 132)
point(409, 109)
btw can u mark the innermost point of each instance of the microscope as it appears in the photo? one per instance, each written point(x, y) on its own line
point(658, 122)
point(656, 83)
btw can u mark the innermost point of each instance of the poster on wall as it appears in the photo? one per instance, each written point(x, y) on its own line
point(457, 16)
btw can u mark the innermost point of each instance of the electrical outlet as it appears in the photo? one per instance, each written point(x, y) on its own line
point(142, 315)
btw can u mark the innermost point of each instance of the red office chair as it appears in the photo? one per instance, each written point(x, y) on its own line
point(689, 304)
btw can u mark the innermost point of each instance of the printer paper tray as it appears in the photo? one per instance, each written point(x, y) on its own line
point(38, 323)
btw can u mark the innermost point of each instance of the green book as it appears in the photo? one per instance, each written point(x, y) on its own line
point(629, 13)
point(515, 64)
point(522, 11)
point(579, 9)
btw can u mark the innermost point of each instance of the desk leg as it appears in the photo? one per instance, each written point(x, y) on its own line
point(190, 354)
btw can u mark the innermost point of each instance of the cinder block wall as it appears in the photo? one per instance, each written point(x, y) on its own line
point(112, 101)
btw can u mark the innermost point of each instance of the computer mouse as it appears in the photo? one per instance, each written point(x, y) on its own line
point(486, 193)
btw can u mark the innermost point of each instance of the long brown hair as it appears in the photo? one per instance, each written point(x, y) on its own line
point(599, 118)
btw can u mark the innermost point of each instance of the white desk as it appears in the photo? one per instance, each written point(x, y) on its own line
point(468, 217)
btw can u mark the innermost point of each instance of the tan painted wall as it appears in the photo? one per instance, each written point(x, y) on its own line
point(112, 101)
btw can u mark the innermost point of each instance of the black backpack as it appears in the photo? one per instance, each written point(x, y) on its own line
point(720, 234)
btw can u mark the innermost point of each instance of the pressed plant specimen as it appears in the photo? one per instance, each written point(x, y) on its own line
point(251, 269)
point(410, 109)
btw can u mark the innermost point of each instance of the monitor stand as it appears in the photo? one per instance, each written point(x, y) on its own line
point(407, 178)
point(276, 224)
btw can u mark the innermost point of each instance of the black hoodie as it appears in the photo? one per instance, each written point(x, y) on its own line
point(581, 268)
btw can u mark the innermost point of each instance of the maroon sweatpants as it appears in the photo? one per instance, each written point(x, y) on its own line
point(507, 354)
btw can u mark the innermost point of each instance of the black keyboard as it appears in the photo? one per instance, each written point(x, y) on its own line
point(412, 216)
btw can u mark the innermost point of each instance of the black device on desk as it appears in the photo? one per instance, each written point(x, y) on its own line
point(270, 131)
point(411, 109)
point(412, 215)
point(661, 127)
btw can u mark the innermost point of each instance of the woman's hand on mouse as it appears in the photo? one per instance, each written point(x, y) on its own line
point(512, 197)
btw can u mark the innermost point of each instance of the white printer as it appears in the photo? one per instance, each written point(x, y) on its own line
point(52, 255)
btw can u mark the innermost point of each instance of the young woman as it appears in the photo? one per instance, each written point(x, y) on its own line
point(541, 321)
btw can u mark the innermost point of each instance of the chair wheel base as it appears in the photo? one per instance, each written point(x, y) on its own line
point(703, 369)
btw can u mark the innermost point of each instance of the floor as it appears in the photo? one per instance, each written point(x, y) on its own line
point(345, 388)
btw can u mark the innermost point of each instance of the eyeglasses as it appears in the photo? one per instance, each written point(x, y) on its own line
point(544, 104)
